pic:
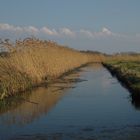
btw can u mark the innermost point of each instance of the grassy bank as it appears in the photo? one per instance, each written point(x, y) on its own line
point(30, 62)
point(128, 72)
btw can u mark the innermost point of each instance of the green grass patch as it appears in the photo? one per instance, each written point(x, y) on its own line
point(127, 71)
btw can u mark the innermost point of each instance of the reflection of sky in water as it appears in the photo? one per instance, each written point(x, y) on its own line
point(98, 108)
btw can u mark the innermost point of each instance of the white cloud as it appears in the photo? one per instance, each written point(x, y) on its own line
point(103, 33)
point(48, 31)
point(61, 32)
point(7, 27)
point(16, 29)
point(106, 31)
point(86, 33)
point(67, 32)
point(31, 29)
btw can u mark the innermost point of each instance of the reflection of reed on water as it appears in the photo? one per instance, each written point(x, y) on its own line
point(31, 106)
point(96, 66)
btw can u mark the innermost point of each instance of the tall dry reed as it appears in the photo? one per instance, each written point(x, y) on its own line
point(30, 62)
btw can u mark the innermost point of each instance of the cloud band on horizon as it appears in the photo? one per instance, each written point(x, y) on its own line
point(61, 32)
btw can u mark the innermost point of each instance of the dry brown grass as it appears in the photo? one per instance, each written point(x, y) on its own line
point(32, 61)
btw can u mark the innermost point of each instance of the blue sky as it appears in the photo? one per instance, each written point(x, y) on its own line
point(101, 25)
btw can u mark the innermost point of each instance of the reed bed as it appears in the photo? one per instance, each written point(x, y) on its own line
point(31, 62)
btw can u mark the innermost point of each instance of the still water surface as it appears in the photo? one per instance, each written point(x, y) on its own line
point(86, 105)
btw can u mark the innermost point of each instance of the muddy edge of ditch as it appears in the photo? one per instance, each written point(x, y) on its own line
point(123, 79)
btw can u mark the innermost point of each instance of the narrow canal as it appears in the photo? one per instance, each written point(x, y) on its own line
point(86, 105)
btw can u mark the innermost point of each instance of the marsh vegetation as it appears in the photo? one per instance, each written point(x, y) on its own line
point(127, 69)
point(31, 62)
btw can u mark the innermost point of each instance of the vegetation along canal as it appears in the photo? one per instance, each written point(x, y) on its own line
point(88, 104)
